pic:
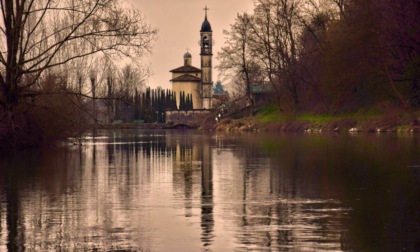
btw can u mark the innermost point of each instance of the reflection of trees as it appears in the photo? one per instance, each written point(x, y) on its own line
point(25, 172)
point(286, 193)
point(83, 199)
point(66, 199)
point(15, 237)
point(183, 169)
point(277, 210)
point(287, 199)
point(193, 166)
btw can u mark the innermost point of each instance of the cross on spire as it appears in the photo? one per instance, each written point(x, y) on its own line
point(187, 49)
point(206, 9)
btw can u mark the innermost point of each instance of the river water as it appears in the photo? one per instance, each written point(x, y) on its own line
point(193, 191)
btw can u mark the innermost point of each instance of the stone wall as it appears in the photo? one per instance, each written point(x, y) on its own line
point(190, 118)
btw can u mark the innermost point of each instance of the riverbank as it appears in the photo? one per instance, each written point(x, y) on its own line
point(269, 121)
point(130, 126)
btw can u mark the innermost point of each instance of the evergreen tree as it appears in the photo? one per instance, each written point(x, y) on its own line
point(173, 101)
point(181, 101)
point(189, 104)
point(218, 88)
point(148, 117)
point(150, 106)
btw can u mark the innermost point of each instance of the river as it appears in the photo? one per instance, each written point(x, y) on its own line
point(127, 190)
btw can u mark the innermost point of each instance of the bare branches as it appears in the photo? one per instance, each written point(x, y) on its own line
point(236, 57)
point(39, 36)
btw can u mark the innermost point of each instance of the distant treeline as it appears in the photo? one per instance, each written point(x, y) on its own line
point(150, 106)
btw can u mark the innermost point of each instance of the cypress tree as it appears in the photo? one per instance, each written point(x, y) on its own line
point(182, 102)
point(147, 108)
point(162, 101)
point(173, 101)
point(190, 104)
point(187, 102)
point(168, 105)
point(136, 105)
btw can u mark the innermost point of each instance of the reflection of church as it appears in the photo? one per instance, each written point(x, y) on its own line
point(194, 81)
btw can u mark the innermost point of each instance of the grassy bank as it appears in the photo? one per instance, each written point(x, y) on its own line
point(271, 119)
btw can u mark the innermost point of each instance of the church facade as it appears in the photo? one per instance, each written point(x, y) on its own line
point(196, 81)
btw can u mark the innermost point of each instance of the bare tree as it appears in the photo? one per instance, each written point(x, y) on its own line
point(315, 19)
point(400, 40)
point(45, 42)
point(341, 5)
point(39, 35)
point(264, 44)
point(236, 57)
point(276, 27)
point(130, 79)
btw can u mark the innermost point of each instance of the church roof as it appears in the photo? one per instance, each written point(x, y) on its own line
point(205, 26)
point(186, 69)
point(186, 78)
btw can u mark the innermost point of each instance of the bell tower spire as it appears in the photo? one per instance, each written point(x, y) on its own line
point(206, 44)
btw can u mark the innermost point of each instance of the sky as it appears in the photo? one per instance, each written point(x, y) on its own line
point(179, 23)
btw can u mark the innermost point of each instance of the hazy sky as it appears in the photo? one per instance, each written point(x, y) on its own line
point(179, 23)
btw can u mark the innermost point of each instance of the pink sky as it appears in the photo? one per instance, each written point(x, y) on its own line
point(179, 23)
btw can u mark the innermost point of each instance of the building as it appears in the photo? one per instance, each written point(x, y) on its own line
point(197, 81)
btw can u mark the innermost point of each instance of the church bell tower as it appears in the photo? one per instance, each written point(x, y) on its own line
point(206, 44)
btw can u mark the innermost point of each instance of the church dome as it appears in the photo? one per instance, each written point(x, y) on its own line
point(187, 55)
point(205, 27)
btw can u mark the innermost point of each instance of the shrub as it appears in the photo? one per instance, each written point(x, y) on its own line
point(53, 115)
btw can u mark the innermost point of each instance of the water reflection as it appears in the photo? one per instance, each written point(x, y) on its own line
point(192, 191)
point(365, 190)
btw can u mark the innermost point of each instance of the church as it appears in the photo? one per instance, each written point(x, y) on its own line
point(196, 81)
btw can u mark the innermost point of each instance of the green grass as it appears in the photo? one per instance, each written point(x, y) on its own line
point(317, 118)
point(270, 109)
point(270, 113)
point(271, 118)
